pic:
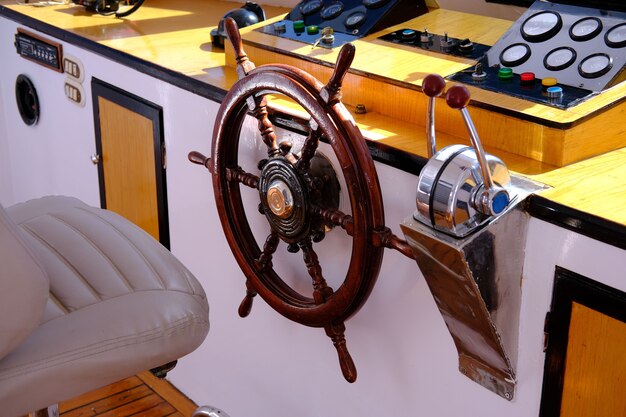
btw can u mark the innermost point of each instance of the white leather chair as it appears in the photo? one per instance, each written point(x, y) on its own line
point(86, 299)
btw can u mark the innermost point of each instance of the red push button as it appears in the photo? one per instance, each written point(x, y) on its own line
point(527, 78)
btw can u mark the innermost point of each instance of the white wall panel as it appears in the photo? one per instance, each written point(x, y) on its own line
point(265, 365)
point(51, 157)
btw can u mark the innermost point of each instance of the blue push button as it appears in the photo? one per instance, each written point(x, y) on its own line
point(500, 202)
point(554, 92)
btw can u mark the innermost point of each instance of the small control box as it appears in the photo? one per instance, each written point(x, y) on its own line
point(39, 50)
point(437, 43)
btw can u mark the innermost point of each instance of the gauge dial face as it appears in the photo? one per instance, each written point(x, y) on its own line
point(355, 20)
point(374, 4)
point(311, 6)
point(616, 36)
point(559, 58)
point(332, 10)
point(595, 65)
point(541, 26)
point(585, 29)
point(514, 55)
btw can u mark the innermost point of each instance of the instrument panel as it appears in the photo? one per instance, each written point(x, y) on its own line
point(331, 23)
point(579, 46)
point(554, 54)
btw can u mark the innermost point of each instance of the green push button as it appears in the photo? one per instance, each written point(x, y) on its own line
point(312, 30)
point(298, 26)
point(505, 73)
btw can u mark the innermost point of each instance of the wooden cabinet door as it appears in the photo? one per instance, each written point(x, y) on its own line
point(129, 143)
point(595, 365)
point(585, 371)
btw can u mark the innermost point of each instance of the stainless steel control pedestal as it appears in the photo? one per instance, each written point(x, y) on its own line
point(477, 284)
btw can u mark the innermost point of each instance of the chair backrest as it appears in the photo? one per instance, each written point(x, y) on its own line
point(24, 286)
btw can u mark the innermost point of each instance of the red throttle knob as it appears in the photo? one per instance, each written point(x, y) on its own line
point(433, 85)
point(458, 97)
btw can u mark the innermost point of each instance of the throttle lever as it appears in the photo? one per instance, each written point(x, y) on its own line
point(461, 187)
point(493, 200)
point(432, 86)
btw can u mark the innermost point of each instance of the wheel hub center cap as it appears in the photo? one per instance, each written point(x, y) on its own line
point(280, 199)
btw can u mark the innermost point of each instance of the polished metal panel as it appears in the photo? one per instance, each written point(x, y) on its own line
point(208, 411)
point(476, 283)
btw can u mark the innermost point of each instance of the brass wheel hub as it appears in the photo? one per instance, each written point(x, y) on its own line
point(280, 199)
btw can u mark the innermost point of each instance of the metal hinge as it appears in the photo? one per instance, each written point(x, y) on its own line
point(546, 331)
point(163, 156)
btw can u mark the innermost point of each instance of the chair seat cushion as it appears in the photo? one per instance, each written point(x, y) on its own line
point(120, 303)
point(24, 286)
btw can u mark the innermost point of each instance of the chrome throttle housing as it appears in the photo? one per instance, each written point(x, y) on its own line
point(461, 187)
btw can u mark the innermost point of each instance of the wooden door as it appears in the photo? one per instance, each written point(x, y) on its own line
point(595, 365)
point(585, 372)
point(129, 142)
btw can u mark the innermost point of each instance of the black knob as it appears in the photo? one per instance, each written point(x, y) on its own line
point(466, 46)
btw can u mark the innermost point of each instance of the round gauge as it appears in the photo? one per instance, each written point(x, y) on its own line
point(559, 58)
point(515, 54)
point(309, 7)
point(355, 20)
point(585, 29)
point(595, 65)
point(616, 36)
point(541, 26)
point(374, 4)
point(332, 10)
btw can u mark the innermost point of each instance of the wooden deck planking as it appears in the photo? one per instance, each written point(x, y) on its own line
point(142, 395)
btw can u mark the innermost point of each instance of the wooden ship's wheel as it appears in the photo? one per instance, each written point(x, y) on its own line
point(299, 203)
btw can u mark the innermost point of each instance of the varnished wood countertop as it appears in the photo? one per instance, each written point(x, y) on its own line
point(174, 37)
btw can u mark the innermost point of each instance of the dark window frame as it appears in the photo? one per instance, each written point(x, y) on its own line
point(152, 112)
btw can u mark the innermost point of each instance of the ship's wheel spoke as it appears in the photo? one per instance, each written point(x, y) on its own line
point(321, 290)
point(335, 218)
point(242, 177)
point(264, 261)
point(336, 332)
point(266, 128)
point(309, 148)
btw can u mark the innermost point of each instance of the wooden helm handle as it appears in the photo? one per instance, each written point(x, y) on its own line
point(331, 93)
point(244, 65)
